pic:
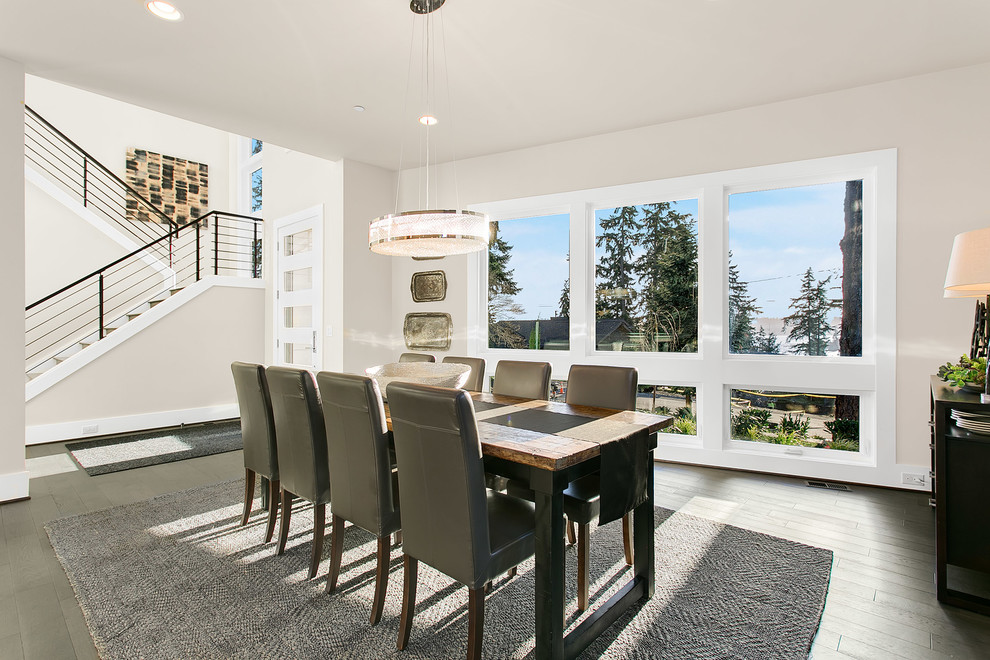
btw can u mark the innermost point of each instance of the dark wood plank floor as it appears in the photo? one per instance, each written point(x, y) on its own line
point(881, 601)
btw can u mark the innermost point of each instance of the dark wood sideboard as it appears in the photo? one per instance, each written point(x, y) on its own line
point(961, 497)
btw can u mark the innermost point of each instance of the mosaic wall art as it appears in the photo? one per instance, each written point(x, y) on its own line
point(176, 186)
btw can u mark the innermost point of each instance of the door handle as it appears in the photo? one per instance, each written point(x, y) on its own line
point(314, 341)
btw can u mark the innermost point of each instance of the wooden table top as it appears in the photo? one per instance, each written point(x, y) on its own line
point(560, 449)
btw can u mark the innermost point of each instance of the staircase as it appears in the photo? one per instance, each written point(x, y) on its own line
point(168, 258)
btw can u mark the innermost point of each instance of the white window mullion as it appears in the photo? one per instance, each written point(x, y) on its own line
point(712, 296)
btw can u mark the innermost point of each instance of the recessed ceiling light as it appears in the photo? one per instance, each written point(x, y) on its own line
point(164, 10)
point(359, 108)
point(428, 120)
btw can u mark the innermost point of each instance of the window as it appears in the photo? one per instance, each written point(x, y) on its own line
point(256, 190)
point(753, 312)
point(795, 271)
point(250, 176)
point(646, 277)
point(529, 284)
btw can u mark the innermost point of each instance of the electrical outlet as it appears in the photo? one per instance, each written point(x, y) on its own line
point(913, 479)
point(90, 429)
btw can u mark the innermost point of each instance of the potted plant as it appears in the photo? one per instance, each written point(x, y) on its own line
point(968, 374)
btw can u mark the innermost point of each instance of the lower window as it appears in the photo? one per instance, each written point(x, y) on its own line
point(799, 419)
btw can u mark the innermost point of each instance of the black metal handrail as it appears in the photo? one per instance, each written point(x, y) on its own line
point(231, 245)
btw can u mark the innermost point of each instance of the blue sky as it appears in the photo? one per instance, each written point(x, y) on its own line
point(774, 235)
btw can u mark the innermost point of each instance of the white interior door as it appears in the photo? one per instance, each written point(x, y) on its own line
point(298, 290)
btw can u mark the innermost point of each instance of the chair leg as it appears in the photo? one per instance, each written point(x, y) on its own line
point(409, 565)
point(319, 525)
point(476, 622)
point(381, 579)
point(283, 529)
point(248, 495)
point(336, 551)
point(571, 534)
point(273, 490)
point(398, 537)
point(583, 576)
point(513, 571)
point(627, 538)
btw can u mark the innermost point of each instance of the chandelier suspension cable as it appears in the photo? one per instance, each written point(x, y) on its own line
point(450, 109)
point(405, 111)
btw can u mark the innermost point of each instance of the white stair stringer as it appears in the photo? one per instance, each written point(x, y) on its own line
point(69, 202)
point(78, 355)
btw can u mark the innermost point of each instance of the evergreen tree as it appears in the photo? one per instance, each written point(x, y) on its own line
point(501, 287)
point(668, 275)
point(765, 343)
point(742, 313)
point(565, 295)
point(809, 322)
point(620, 233)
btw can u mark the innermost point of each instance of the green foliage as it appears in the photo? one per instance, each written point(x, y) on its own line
point(797, 424)
point(662, 410)
point(765, 343)
point(620, 233)
point(748, 421)
point(842, 445)
point(809, 322)
point(501, 287)
point(742, 313)
point(684, 426)
point(965, 372)
point(668, 274)
point(844, 429)
point(500, 279)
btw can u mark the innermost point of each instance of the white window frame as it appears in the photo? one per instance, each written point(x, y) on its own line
point(247, 164)
point(713, 370)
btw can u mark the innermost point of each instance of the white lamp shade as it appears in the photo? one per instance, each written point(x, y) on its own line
point(429, 233)
point(968, 274)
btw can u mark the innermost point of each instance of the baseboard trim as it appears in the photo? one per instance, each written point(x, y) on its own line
point(45, 433)
point(14, 486)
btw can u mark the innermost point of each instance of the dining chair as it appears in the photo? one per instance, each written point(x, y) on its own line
point(476, 378)
point(527, 380)
point(417, 357)
point(302, 451)
point(602, 387)
point(453, 524)
point(364, 490)
point(258, 434)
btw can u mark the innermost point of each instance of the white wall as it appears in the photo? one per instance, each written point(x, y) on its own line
point(180, 363)
point(936, 122)
point(13, 475)
point(106, 128)
point(59, 245)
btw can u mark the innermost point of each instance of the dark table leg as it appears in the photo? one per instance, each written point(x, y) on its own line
point(643, 549)
point(548, 488)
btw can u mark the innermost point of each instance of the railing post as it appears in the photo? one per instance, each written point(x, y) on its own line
point(85, 180)
point(216, 245)
point(101, 306)
point(170, 232)
point(254, 251)
point(197, 228)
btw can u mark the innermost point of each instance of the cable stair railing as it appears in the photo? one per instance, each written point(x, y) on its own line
point(82, 313)
point(92, 184)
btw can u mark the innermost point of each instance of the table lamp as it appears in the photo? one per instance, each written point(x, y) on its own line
point(968, 276)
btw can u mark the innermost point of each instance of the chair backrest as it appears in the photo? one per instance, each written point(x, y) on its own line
point(476, 379)
point(528, 380)
point(441, 480)
point(257, 421)
point(302, 436)
point(416, 357)
point(601, 386)
point(357, 440)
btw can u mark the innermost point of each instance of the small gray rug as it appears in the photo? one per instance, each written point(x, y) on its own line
point(123, 452)
point(176, 577)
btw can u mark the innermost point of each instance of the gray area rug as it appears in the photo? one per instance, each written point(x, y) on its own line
point(176, 577)
point(123, 452)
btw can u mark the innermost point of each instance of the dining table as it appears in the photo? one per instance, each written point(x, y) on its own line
point(548, 444)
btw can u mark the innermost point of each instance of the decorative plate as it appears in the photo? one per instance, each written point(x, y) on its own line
point(425, 331)
point(428, 286)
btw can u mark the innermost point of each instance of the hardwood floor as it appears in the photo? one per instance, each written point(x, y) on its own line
point(881, 601)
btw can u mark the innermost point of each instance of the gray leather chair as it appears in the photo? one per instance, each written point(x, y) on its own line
point(453, 523)
point(416, 357)
point(527, 380)
point(258, 433)
point(302, 451)
point(364, 490)
point(476, 379)
point(602, 387)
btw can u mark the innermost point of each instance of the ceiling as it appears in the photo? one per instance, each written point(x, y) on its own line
point(521, 72)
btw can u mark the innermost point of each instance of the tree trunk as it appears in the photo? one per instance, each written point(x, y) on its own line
point(851, 331)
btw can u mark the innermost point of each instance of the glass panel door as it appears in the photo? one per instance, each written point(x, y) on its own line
point(297, 294)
